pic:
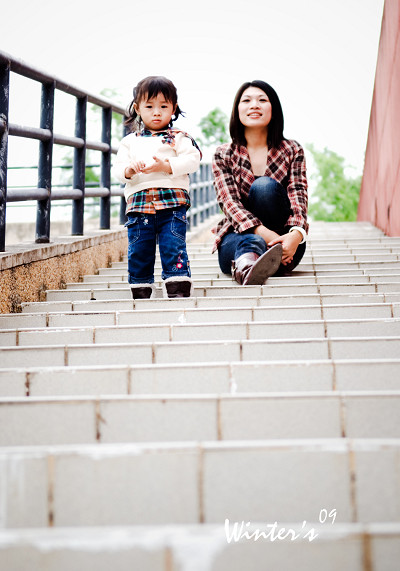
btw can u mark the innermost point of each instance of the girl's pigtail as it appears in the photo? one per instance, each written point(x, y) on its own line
point(175, 116)
point(133, 120)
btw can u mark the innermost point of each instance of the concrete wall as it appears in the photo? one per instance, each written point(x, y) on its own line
point(26, 272)
point(380, 189)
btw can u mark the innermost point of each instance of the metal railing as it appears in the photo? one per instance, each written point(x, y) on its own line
point(204, 203)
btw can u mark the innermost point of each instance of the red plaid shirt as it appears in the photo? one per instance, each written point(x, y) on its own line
point(233, 177)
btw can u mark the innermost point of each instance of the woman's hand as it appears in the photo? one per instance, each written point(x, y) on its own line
point(265, 233)
point(290, 242)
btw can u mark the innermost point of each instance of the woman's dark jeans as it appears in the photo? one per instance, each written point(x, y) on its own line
point(267, 200)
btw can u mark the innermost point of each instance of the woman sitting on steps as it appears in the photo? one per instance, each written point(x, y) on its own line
point(261, 185)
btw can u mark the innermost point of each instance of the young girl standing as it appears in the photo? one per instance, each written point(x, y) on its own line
point(154, 161)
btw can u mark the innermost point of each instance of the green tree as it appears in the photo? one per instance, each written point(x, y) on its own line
point(214, 128)
point(336, 195)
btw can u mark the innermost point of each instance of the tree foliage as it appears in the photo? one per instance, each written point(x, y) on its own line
point(214, 128)
point(336, 195)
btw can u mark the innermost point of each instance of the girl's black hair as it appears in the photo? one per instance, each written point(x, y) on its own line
point(148, 88)
point(275, 127)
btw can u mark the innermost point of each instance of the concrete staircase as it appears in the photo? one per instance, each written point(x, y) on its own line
point(130, 432)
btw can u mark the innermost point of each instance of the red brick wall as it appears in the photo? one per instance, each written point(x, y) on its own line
point(380, 188)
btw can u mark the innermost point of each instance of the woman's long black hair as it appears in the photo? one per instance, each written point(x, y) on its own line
point(275, 127)
point(148, 88)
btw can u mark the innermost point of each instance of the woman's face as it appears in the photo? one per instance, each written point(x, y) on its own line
point(254, 108)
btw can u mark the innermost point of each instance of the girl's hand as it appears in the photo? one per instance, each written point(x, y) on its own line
point(134, 168)
point(290, 242)
point(159, 165)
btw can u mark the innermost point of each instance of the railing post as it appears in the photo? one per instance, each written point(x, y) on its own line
point(194, 199)
point(205, 193)
point(215, 207)
point(203, 172)
point(105, 177)
point(45, 164)
point(209, 190)
point(4, 95)
point(79, 167)
point(122, 210)
point(122, 205)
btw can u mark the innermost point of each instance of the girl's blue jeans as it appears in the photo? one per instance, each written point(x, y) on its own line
point(169, 226)
point(268, 200)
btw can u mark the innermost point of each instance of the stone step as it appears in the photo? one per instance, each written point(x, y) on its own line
point(122, 277)
point(318, 247)
point(366, 265)
point(339, 263)
point(313, 546)
point(217, 287)
point(305, 270)
point(181, 378)
point(165, 418)
point(339, 257)
point(44, 313)
point(205, 311)
point(59, 312)
point(93, 282)
point(202, 351)
point(200, 482)
point(202, 325)
point(226, 288)
point(199, 268)
point(344, 253)
point(123, 306)
point(314, 246)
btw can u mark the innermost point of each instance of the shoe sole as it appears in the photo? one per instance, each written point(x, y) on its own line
point(266, 265)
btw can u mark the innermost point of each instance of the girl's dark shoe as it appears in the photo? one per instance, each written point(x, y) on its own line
point(143, 291)
point(179, 286)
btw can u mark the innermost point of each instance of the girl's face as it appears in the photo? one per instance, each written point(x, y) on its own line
point(254, 108)
point(156, 112)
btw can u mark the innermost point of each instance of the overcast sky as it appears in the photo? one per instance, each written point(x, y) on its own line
point(319, 55)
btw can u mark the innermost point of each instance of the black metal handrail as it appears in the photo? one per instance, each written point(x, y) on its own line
point(203, 196)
